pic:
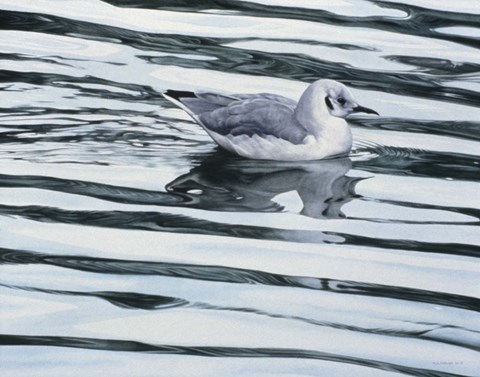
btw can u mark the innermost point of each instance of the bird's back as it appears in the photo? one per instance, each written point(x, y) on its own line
point(261, 114)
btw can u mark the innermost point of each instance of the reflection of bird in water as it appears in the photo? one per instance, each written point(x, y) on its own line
point(267, 126)
point(226, 183)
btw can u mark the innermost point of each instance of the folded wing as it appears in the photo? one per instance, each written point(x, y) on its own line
point(242, 114)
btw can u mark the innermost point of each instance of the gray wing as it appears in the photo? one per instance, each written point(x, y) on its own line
point(243, 114)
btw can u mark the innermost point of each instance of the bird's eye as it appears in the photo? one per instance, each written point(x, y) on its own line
point(341, 101)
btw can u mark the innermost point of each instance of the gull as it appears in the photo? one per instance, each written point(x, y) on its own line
point(268, 126)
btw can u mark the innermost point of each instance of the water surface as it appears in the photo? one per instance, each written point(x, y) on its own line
point(131, 246)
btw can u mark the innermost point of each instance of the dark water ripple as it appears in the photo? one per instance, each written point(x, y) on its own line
point(117, 194)
point(61, 109)
point(167, 222)
point(419, 163)
point(237, 276)
point(472, 212)
point(425, 334)
point(143, 93)
point(131, 346)
point(286, 66)
point(420, 21)
point(124, 300)
point(461, 129)
point(432, 66)
point(139, 301)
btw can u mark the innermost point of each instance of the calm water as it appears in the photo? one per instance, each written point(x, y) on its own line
point(131, 246)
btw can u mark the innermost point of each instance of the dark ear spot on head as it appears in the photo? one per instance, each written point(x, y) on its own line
point(329, 103)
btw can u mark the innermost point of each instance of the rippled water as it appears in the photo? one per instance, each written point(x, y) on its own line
point(131, 246)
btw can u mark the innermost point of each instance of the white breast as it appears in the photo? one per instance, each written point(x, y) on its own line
point(272, 148)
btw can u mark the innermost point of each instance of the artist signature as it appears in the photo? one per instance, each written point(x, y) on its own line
point(448, 363)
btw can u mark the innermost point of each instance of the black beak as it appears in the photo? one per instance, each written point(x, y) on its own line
point(361, 109)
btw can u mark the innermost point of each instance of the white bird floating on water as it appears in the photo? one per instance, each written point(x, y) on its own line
point(271, 127)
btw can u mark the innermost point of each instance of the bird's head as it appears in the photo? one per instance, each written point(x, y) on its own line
point(338, 100)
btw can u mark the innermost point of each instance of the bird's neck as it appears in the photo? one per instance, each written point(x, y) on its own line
point(332, 132)
point(312, 113)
